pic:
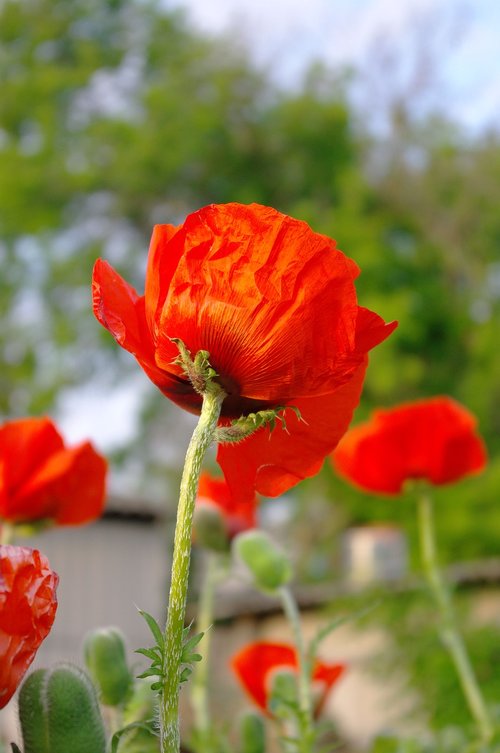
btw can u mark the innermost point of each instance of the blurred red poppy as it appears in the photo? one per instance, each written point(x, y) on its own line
point(28, 606)
point(237, 513)
point(257, 663)
point(41, 479)
point(434, 439)
point(275, 306)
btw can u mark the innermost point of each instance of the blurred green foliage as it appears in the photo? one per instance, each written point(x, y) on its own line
point(420, 670)
point(115, 115)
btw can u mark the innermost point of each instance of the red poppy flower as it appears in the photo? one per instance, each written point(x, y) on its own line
point(275, 306)
point(237, 512)
point(433, 439)
point(257, 662)
point(28, 606)
point(41, 479)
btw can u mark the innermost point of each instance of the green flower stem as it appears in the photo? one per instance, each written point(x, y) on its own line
point(199, 686)
point(449, 632)
point(305, 700)
point(200, 441)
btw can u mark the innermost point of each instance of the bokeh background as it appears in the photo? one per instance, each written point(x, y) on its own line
point(378, 123)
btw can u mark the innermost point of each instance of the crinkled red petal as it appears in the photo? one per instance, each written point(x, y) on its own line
point(272, 462)
point(28, 605)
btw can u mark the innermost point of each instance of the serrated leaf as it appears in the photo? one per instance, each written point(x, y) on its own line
point(153, 626)
point(193, 641)
point(148, 673)
point(150, 653)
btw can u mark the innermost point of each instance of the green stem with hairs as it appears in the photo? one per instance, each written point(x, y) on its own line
point(200, 441)
point(450, 634)
point(292, 613)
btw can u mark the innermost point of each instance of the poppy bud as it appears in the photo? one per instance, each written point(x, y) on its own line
point(104, 653)
point(269, 566)
point(209, 528)
point(59, 712)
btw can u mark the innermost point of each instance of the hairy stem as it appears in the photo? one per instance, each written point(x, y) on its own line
point(200, 441)
point(450, 634)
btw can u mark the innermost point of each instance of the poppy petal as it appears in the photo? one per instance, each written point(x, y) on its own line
point(28, 606)
point(272, 462)
point(262, 272)
point(121, 311)
point(237, 510)
point(25, 444)
point(433, 439)
point(68, 489)
point(42, 479)
point(255, 661)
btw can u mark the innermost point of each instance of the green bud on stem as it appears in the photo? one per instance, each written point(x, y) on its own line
point(269, 565)
point(59, 712)
point(105, 657)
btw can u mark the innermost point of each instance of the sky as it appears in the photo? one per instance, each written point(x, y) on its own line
point(463, 36)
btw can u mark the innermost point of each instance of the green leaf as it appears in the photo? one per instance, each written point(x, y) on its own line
point(153, 626)
point(148, 673)
point(150, 653)
point(146, 726)
point(192, 642)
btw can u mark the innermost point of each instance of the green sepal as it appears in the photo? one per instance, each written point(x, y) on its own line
point(198, 369)
point(269, 565)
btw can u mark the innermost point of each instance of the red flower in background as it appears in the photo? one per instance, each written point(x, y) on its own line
point(257, 662)
point(275, 306)
point(41, 479)
point(28, 606)
point(238, 514)
point(434, 439)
